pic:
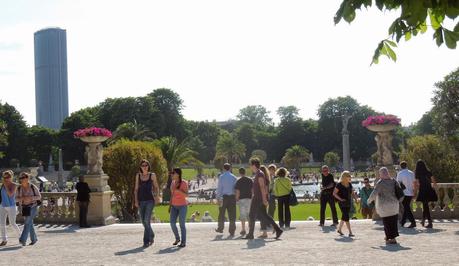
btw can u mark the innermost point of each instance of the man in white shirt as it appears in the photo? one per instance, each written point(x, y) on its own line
point(406, 177)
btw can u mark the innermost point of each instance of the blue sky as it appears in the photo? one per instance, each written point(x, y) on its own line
point(220, 55)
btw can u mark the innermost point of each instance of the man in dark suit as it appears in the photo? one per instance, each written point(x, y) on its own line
point(83, 201)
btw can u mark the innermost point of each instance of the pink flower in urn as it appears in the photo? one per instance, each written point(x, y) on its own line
point(381, 120)
point(92, 131)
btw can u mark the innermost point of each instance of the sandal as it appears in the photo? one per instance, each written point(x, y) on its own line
point(340, 233)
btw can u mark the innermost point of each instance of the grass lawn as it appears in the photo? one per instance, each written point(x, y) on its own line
point(299, 213)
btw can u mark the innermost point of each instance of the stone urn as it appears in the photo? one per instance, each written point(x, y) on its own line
point(95, 152)
point(384, 143)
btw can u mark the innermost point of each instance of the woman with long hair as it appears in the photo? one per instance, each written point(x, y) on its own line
point(344, 192)
point(267, 177)
point(29, 198)
point(178, 206)
point(424, 182)
point(386, 204)
point(7, 205)
point(146, 194)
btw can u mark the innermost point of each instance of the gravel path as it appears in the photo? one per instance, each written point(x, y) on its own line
point(306, 244)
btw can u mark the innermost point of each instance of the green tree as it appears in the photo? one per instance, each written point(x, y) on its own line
point(3, 138)
point(208, 133)
point(74, 149)
point(132, 131)
point(330, 125)
point(176, 153)
point(331, 159)
point(16, 137)
point(40, 141)
point(246, 133)
point(230, 147)
point(255, 114)
point(260, 154)
point(121, 163)
point(445, 111)
point(288, 113)
point(295, 156)
point(425, 125)
point(411, 21)
point(437, 155)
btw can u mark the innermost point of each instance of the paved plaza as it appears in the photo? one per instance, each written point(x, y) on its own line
point(307, 243)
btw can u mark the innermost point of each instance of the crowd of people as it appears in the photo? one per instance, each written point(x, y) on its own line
point(255, 196)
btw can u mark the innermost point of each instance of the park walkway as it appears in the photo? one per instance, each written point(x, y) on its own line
point(306, 244)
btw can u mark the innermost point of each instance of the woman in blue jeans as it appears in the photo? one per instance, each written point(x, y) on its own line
point(28, 198)
point(178, 207)
point(146, 194)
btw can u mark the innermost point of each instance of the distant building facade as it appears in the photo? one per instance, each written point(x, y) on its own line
point(51, 86)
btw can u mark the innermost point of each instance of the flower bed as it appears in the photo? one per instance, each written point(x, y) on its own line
point(92, 132)
point(381, 120)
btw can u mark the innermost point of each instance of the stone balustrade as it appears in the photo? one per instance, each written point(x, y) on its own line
point(56, 208)
point(447, 206)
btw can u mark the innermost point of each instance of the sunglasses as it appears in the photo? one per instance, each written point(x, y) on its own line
point(6, 176)
point(144, 165)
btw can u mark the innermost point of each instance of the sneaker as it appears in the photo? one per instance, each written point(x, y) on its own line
point(182, 245)
point(351, 235)
point(22, 243)
point(248, 237)
point(33, 243)
point(412, 225)
point(219, 231)
point(242, 233)
point(429, 225)
point(3, 243)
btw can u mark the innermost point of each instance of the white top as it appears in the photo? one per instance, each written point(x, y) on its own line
point(406, 177)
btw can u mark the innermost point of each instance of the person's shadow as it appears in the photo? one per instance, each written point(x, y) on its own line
point(255, 244)
point(130, 251)
point(168, 250)
point(328, 229)
point(392, 248)
point(12, 248)
point(344, 239)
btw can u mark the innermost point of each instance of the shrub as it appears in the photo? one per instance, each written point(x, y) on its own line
point(437, 155)
point(331, 159)
point(121, 163)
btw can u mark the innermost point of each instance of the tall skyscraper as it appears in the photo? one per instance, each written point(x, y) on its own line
point(51, 87)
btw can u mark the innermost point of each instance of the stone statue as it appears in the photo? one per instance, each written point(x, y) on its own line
point(384, 144)
point(95, 158)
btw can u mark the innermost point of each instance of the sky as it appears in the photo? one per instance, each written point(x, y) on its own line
point(221, 56)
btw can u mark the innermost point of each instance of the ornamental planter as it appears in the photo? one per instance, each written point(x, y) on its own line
point(94, 139)
point(383, 125)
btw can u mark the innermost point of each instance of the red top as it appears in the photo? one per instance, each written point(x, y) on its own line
point(177, 197)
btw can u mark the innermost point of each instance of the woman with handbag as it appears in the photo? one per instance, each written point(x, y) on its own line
point(282, 187)
point(344, 192)
point(386, 196)
point(146, 195)
point(424, 182)
point(29, 198)
point(178, 206)
point(7, 205)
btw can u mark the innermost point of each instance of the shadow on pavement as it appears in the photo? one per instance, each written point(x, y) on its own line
point(169, 250)
point(345, 239)
point(12, 248)
point(392, 248)
point(412, 231)
point(328, 229)
point(457, 233)
point(256, 243)
point(65, 230)
point(131, 251)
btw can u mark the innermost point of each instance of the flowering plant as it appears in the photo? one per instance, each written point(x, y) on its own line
point(92, 131)
point(381, 120)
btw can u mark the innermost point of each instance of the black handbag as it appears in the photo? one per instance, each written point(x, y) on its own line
point(293, 200)
point(399, 194)
point(26, 210)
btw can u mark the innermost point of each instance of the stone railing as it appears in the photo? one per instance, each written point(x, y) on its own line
point(447, 206)
point(56, 208)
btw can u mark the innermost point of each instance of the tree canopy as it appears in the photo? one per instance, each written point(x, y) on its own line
point(415, 17)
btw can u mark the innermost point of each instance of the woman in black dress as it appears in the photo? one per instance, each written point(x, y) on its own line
point(344, 192)
point(424, 182)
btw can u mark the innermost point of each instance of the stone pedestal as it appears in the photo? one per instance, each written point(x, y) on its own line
point(100, 209)
point(97, 183)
